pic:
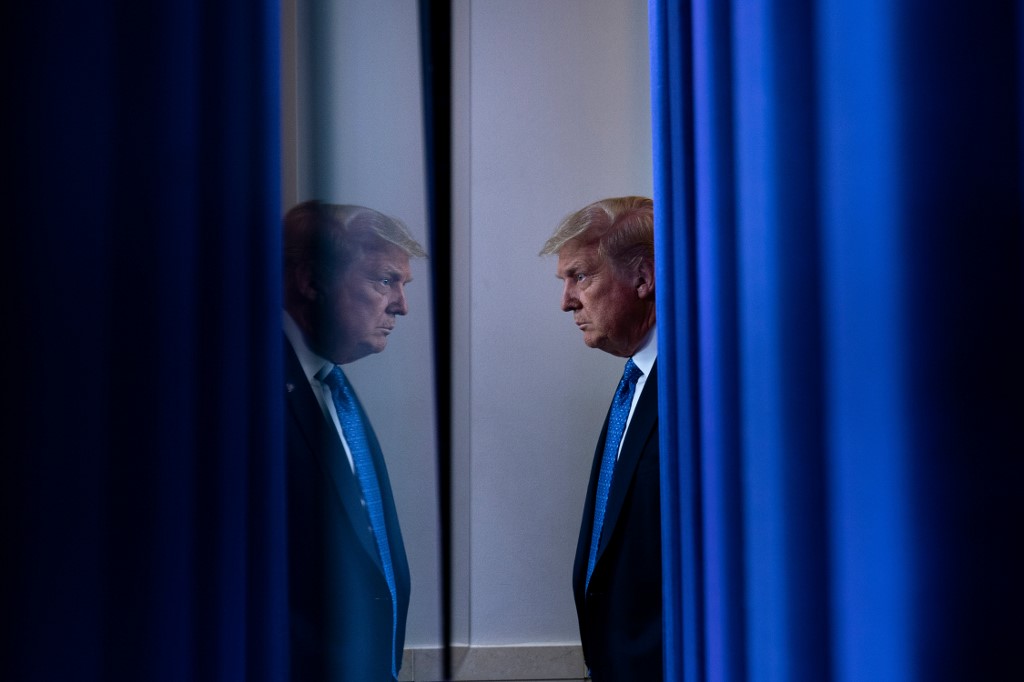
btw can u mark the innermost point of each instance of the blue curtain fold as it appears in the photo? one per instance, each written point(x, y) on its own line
point(143, 499)
point(840, 243)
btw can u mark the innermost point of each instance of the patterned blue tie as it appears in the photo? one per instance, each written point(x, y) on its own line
point(352, 427)
point(616, 426)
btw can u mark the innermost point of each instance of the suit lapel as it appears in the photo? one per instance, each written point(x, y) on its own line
point(324, 443)
point(397, 547)
point(643, 424)
point(583, 544)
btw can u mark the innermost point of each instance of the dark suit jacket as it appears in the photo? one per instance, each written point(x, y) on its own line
point(339, 602)
point(620, 614)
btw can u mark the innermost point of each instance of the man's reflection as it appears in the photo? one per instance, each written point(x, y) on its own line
point(345, 271)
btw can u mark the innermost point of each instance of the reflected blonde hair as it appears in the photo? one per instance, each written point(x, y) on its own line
point(330, 237)
point(622, 228)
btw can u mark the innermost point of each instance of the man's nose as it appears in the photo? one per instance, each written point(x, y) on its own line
point(399, 306)
point(569, 300)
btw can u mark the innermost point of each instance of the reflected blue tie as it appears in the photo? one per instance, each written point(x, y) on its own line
point(352, 427)
point(616, 427)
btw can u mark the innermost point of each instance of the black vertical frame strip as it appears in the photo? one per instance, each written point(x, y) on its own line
point(435, 19)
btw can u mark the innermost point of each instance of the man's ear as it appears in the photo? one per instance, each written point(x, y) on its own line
point(305, 283)
point(645, 279)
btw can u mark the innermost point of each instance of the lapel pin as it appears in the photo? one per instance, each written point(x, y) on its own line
point(289, 387)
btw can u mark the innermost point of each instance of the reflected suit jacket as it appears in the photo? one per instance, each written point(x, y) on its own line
point(339, 602)
point(620, 613)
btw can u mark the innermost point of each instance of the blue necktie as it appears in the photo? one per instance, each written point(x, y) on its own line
point(352, 427)
point(616, 427)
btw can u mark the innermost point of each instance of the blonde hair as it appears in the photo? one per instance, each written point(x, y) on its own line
point(622, 228)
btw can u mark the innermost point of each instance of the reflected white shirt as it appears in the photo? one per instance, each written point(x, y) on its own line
point(316, 368)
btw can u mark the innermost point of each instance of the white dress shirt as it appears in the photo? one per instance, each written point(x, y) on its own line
point(644, 360)
point(316, 368)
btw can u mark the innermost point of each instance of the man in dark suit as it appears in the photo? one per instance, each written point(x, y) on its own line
point(345, 271)
point(606, 263)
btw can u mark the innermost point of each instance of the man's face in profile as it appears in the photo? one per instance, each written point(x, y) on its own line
point(357, 312)
point(603, 301)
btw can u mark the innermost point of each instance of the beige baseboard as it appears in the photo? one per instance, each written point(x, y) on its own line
point(497, 664)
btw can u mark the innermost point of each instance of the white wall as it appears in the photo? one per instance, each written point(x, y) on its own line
point(559, 103)
point(552, 112)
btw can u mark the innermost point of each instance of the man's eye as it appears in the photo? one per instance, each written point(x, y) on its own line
point(385, 281)
point(580, 276)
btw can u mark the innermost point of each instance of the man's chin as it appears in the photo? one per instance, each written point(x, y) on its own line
point(364, 350)
point(602, 343)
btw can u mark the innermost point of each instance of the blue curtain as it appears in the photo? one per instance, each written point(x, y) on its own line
point(839, 198)
point(142, 489)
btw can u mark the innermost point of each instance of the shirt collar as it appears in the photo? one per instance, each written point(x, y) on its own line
point(313, 366)
point(648, 353)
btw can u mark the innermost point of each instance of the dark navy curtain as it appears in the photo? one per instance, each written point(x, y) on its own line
point(142, 496)
point(839, 188)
